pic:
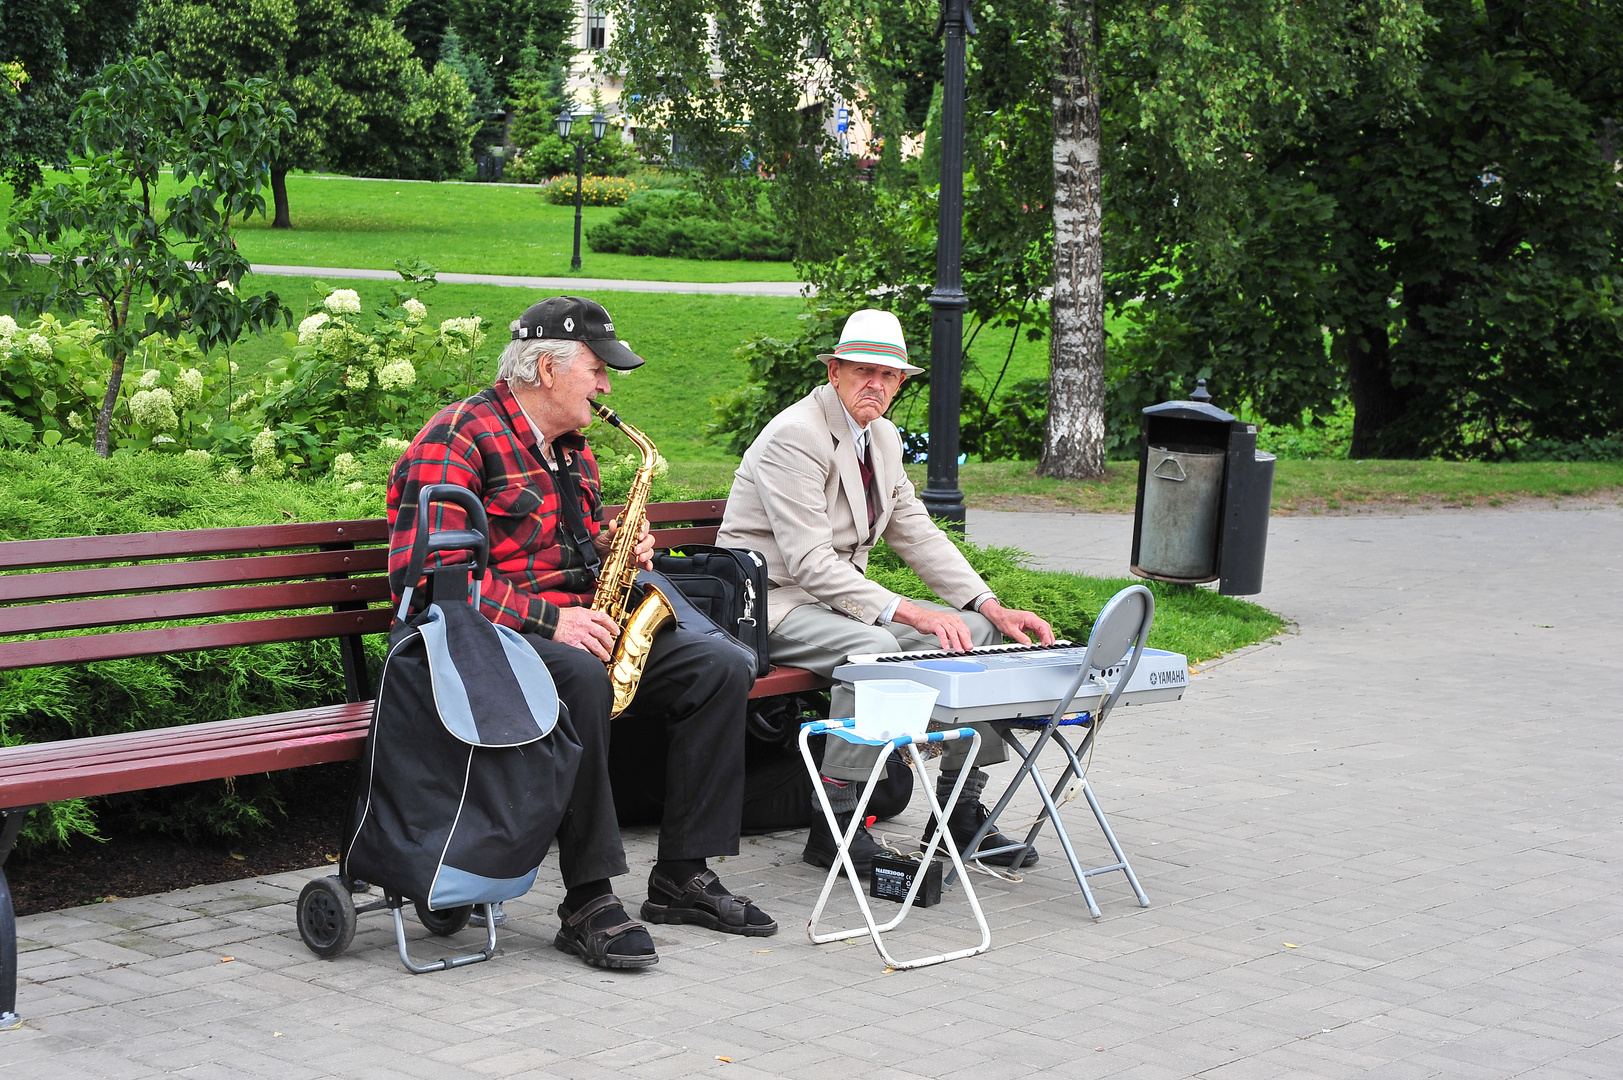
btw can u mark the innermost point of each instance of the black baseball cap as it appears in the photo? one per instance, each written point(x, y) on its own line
point(574, 319)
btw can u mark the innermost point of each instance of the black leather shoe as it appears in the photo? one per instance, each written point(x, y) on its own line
point(820, 844)
point(965, 822)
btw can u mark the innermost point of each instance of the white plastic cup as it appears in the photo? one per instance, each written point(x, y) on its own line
point(890, 708)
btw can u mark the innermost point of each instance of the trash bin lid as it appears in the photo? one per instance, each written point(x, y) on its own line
point(1190, 410)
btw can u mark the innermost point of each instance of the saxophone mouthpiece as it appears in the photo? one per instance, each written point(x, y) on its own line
point(606, 413)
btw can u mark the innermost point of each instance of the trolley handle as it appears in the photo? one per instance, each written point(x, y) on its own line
point(475, 539)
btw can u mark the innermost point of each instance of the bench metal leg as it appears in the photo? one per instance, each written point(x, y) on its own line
point(11, 823)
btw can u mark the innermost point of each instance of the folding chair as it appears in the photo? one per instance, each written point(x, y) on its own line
point(843, 729)
point(1106, 668)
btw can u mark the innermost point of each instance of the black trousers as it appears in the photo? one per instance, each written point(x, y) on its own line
point(680, 746)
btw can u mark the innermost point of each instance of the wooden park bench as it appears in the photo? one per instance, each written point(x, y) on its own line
point(190, 580)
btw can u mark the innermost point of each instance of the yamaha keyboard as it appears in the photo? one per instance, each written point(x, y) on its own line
point(1008, 682)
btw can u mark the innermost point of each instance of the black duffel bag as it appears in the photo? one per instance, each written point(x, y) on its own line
point(728, 585)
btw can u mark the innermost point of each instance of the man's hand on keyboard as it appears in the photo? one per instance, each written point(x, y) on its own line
point(1017, 624)
point(945, 625)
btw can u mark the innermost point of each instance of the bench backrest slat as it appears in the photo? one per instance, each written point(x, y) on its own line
point(145, 577)
point(159, 607)
point(177, 639)
point(78, 550)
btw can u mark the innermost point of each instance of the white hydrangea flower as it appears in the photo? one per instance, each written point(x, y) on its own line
point(39, 346)
point(149, 379)
point(397, 375)
point(332, 338)
point(345, 468)
point(154, 409)
point(160, 440)
point(661, 466)
point(225, 287)
point(232, 475)
point(233, 367)
point(199, 456)
point(356, 378)
point(416, 311)
point(8, 329)
point(266, 463)
point(77, 422)
point(188, 389)
point(357, 487)
point(343, 302)
point(310, 328)
point(461, 335)
point(394, 446)
point(243, 402)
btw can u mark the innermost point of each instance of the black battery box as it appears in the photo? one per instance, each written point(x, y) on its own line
point(892, 877)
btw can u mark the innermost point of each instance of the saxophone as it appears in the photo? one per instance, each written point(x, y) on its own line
point(618, 575)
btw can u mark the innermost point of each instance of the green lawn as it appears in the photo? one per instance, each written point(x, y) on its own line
point(1303, 486)
point(460, 228)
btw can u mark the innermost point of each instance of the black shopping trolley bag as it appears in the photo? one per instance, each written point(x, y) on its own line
point(471, 757)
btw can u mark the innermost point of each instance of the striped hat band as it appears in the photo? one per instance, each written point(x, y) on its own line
point(853, 349)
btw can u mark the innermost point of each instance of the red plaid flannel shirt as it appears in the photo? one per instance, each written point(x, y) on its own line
point(486, 445)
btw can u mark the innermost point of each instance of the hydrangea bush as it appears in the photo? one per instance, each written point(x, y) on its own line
point(346, 386)
point(53, 377)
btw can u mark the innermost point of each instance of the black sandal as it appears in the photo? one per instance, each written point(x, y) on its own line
point(597, 946)
point(696, 904)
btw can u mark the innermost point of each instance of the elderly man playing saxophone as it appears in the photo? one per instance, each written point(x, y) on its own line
point(518, 446)
point(819, 487)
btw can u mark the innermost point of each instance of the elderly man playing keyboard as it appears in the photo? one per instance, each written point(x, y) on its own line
point(822, 484)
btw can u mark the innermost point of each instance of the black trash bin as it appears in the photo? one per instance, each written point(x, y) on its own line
point(1204, 490)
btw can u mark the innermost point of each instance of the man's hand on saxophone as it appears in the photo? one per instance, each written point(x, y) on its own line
point(604, 541)
point(586, 628)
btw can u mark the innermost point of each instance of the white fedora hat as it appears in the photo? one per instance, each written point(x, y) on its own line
point(872, 336)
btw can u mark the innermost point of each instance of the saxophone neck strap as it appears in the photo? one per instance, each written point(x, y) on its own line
point(569, 500)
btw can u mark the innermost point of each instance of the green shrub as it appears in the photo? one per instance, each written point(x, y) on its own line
point(53, 376)
point(686, 225)
point(1588, 450)
point(343, 386)
point(69, 491)
point(594, 191)
point(1314, 439)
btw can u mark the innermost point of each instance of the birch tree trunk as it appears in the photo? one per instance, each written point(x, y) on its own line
point(1074, 444)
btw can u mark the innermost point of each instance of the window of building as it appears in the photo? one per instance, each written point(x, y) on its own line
point(595, 33)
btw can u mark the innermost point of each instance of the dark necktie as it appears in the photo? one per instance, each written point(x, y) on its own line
point(864, 464)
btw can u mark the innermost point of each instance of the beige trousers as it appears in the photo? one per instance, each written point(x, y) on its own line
point(817, 638)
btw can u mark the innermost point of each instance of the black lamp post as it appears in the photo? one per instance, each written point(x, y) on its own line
point(600, 127)
point(942, 496)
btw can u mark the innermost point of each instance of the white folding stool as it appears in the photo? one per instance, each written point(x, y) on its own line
point(1123, 624)
point(842, 729)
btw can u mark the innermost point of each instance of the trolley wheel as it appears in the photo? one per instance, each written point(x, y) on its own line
point(326, 917)
point(442, 923)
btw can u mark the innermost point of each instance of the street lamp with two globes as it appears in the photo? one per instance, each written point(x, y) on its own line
point(600, 127)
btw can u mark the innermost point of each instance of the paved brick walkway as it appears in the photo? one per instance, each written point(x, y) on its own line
point(1390, 844)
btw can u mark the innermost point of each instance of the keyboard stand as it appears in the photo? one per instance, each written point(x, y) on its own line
point(842, 729)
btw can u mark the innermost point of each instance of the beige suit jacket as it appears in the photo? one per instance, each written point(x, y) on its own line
point(797, 498)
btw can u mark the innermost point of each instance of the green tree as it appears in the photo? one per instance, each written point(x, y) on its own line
point(1448, 259)
point(1052, 85)
point(364, 102)
point(108, 239)
point(51, 49)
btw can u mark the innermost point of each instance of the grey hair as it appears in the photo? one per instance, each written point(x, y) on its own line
point(519, 360)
